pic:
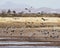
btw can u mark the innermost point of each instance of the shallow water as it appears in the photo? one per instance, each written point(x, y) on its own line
point(13, 42)
point(29, 47)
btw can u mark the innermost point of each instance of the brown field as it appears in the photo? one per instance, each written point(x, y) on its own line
point(30, 28)
point(29, 22)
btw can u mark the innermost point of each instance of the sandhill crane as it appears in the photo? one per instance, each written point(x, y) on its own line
point(44, 19)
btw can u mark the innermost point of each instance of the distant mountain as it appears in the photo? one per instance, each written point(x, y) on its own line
point(46, 10)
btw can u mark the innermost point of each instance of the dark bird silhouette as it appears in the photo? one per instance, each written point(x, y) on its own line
point(43, 19)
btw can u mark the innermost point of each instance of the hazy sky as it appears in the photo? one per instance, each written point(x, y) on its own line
point(35, 3)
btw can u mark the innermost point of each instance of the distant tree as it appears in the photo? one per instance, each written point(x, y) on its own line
point(14, 12)
point(9, 11)
point(3, 13)
point(21, 13)
point(42, 12)
point(38, 12)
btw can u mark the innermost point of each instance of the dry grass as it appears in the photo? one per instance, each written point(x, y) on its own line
point(29, 22)
point(30, 28)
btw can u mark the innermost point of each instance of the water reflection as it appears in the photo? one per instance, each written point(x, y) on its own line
point(30, 47)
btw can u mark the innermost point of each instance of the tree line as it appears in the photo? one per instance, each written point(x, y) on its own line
point(13, 13)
